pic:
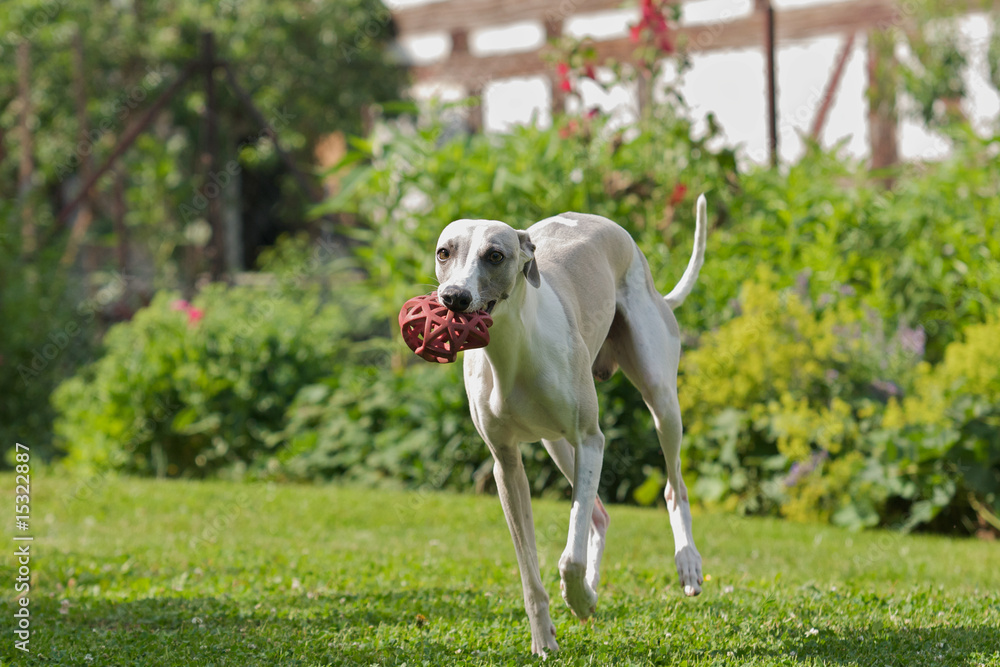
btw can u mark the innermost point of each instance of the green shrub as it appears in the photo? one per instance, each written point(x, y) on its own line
point(403, 190)
point(817, 414)
point(947, 432)
point(375, 425)
point(802, 388)
point(788, 380)
point(191, 389)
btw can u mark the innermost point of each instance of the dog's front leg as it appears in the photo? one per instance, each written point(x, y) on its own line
point(576, 590)
point(515, 498)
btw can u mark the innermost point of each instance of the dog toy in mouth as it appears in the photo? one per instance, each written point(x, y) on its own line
point(436, 333)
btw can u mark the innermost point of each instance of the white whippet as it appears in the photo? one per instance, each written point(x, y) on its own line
point(572, 297)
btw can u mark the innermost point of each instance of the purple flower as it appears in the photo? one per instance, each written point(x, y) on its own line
point(800, 469)
point(887, 387)
point(912, 340)
point(802, 284)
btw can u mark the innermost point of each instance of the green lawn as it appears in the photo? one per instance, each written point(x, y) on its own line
point(215, 573)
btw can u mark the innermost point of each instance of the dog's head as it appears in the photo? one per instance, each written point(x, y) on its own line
point(478, 264)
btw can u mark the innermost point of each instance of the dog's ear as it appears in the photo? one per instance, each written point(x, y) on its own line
point(530, 268)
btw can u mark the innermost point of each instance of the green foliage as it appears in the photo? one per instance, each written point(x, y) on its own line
point(795, 408)
point(310, 67)
point(924, 254)
point(46, 333)
point(409, 186)
point(374, 424)
point(192, 389)
point(787, 392)
point(405, 189)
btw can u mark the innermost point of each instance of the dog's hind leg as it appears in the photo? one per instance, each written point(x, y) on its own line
point(648, 355)
point(576, 590)
point(565, 458)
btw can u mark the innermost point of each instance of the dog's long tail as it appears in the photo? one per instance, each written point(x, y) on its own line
point(687, 281)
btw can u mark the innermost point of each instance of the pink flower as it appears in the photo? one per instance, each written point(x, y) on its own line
point(589, 72)
point(180, 304)
point(593, 113)
point(194, 316)
point(653, 19)
point(562, 70)
point(665, 43)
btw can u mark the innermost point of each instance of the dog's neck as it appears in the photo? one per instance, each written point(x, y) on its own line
point(514, 323)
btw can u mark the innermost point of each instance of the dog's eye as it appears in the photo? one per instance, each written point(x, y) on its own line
point(443, 254)
point(496, 257)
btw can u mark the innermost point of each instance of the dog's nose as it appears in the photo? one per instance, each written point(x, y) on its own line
point(456, 298)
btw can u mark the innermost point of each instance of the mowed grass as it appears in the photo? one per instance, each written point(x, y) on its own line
point(140, 572)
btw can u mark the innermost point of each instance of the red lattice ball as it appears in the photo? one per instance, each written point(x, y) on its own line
point(438, 334)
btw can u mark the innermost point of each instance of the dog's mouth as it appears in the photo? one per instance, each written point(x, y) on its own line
point(490, 306)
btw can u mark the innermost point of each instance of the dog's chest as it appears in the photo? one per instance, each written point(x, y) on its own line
point(527, 407)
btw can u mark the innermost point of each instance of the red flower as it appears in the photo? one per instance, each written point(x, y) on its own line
point(593, 113)
point(194, 316)
point(655, 21)
point(562, 70)
point(677, 196)
point(665, 43)
point(589, 72)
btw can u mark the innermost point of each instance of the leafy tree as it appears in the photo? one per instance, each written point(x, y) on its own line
point(311, 68)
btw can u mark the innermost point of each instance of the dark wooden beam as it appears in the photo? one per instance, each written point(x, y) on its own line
point(767, 9)
point(740, 33)
point(130, 136)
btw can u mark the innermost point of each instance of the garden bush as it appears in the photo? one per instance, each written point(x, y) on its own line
point(195, 388)
point(832, 346)
point(791, 382)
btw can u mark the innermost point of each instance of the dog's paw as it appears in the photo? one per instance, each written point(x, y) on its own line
point(577, 593)
point(543, 639)
point(688, 562)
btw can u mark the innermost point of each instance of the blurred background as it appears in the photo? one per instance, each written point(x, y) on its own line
point(211, 213)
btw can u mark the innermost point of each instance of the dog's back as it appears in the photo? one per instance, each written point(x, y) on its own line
point(567, 242)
